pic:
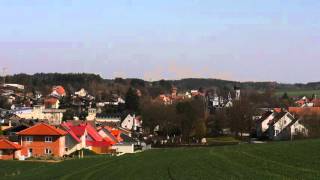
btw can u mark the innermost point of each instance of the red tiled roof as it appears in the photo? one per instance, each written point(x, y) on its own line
point(5, 144)
point(93, 133)
point(300, 102)
point(50, 101)
point(304, 110)
point(277, 110)
point(78, 130)
point(98, 143)
point(115, 133)
point(69, 130)
point(59, 89)
point(316, 102)
point(42, 129)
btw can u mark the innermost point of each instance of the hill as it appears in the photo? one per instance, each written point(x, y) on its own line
point(281, 160)
point(98, 86)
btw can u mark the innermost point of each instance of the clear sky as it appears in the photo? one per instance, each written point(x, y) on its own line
point(258, 40)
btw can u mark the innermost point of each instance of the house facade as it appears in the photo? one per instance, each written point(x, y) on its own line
point(42, 140)
point(53, 115)
point(131, 122)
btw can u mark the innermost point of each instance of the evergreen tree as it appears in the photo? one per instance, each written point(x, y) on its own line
point(285, 96)
point(132, 101)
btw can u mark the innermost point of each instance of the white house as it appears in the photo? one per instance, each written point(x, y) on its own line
point(279, 126)
point(285, 127)
point(54, 116)
point(132, 123)
point(81, 93)
point(262, 125)
point(17, 86)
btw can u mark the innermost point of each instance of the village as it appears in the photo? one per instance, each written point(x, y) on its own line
point(35, 125)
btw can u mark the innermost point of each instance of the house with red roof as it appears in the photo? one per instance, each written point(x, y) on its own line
point(121, 142)
point(9, 150)
point(110, 134)
point(52, 103)
point(42, 140)
point(84, 135)
point(58, 91)
point(75, 138)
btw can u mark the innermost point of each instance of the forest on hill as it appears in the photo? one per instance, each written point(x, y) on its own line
point(98, 86)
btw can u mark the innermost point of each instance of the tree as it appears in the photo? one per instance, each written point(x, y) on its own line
point(285, 96)
point(68, 115)
point(200, 129)
point(188, 113)
point(218, 122)
point(4, 103)
point(165, 116)
point(132, 101)
point(240, 116)
point(285, 101)
point(312, 123)
point(83, 115)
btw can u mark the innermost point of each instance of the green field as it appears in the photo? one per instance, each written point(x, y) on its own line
point(281, 160)
point(298, 93)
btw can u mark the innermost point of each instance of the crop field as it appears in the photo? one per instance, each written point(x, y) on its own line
point(280, 160)
point(298, 93)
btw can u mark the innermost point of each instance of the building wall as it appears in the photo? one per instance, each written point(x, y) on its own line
point(6, 154)
point(124, 148)
point(9, 154)
point(73, 145)
point(297, 128)
point(32, 114)
point(264, 124)
point(101, 150)
point(62, 142)
point(281, 124)
point(54, 118)
point(127, 123)
point(39, 145)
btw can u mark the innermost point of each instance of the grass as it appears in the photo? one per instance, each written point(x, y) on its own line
point(224, 140)
point(298, 93)
point(281, 160)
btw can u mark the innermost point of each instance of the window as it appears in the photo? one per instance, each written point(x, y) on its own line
point(48, 151)
point(1, 152)
point(66, 149)
point(277, 132)
point(48, 139)
point(29, 138)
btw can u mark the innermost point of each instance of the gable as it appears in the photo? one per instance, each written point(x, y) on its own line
point(42, 129)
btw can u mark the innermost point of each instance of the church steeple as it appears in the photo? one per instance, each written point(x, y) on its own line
point(237, 90)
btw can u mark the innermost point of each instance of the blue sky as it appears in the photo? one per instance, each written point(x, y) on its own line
point(277, 40)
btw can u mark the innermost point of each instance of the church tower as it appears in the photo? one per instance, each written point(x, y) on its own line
point(237, 90)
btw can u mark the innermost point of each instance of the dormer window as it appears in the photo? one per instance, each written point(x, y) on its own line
point(48, 139)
